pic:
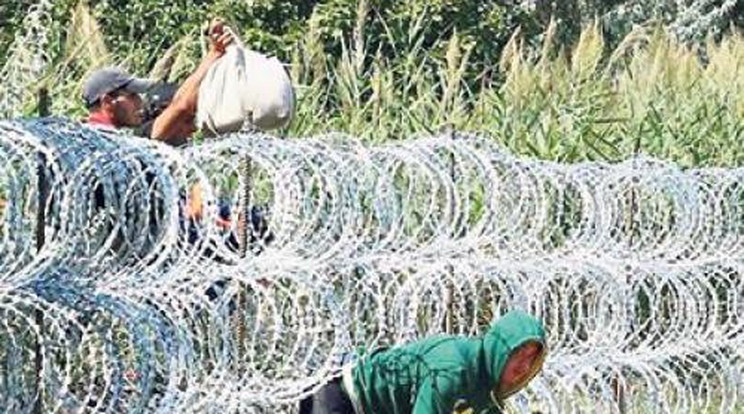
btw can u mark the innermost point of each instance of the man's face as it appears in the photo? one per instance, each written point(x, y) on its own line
point(519, 367)
point(126, 108)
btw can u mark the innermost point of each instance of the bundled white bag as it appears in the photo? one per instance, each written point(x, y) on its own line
point(244, 86)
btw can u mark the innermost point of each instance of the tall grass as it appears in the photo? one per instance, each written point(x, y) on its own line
point(560, 102)
point(567, 103)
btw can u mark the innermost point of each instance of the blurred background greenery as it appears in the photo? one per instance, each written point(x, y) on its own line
point(564, 80)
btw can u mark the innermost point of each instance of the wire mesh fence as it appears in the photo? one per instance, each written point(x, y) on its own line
point(182, 281)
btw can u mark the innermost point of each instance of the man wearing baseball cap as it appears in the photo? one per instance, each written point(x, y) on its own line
point(113, 96)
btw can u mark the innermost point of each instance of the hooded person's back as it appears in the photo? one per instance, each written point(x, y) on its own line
point(438, 374)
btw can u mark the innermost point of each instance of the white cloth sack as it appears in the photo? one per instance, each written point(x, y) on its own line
point(244, 86)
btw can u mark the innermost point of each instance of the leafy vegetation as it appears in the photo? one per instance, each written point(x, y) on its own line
point(580, 80)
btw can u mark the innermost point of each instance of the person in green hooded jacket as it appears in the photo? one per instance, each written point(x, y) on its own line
point(439, 375)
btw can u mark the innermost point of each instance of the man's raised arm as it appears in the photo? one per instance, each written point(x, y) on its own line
point(177, 120)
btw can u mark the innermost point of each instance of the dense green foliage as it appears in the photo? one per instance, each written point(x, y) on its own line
point(570, 80)
point(278, 25)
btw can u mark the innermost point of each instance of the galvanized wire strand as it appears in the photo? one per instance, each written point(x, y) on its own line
point(149, 303)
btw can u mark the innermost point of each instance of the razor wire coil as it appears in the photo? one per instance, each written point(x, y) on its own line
point(149, 305)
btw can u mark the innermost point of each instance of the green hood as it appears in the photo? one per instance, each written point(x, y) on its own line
point(433, 375)
point(509, 333)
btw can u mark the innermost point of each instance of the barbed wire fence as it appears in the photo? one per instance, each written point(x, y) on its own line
point(149, 302)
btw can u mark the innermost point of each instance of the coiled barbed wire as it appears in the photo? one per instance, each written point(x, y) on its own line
point(124, 286)
point(27, 59)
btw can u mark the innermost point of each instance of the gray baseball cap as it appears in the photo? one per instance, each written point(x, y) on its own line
point(110, 79)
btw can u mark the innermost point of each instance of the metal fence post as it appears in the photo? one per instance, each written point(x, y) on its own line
point(42, 187)
point(449, 320)
point(244, 245)
point(618, 388)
